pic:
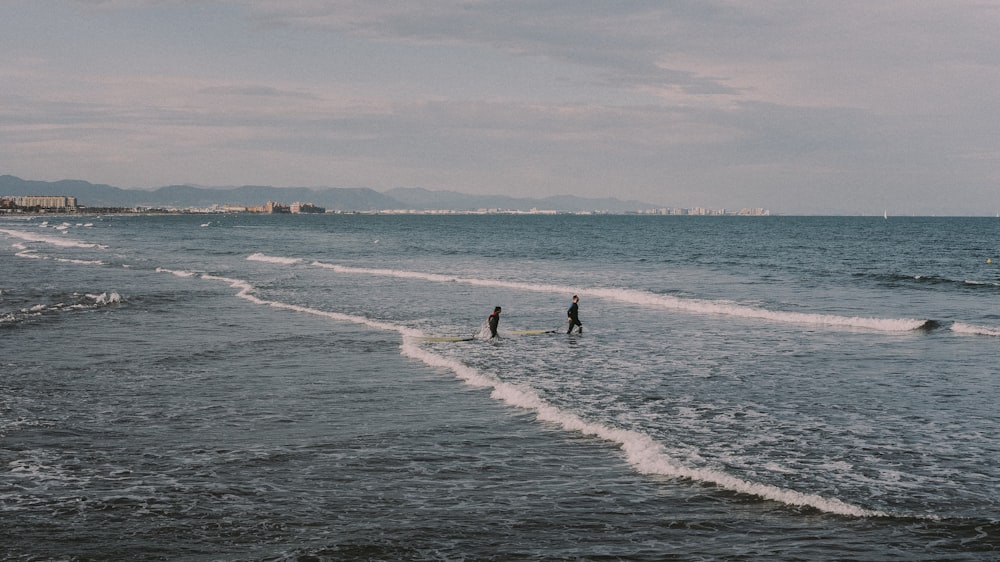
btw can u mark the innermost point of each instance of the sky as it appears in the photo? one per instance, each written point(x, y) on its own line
point(800, 107)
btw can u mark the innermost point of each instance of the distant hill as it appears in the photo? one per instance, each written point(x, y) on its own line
point(342, 199)
point(420, 198)
point(183, 196)
point(333, 198)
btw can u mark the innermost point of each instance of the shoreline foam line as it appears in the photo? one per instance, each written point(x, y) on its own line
point(54, 240)
point(646, 298)
point(641, 451)
point(33, 254)
point(246, 293)
point(649, 457)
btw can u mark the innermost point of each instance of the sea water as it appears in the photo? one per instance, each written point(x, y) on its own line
point(240, 387)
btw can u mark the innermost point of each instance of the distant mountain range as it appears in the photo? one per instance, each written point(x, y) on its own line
point(332, 198)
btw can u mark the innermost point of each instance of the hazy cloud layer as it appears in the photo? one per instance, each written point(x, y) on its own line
point(802, 107)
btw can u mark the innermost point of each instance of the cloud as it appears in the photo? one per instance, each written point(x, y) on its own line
point(818, 105)
point(254, 91)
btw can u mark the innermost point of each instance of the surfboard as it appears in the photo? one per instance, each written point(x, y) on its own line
point(444, 339)
point(532, 332)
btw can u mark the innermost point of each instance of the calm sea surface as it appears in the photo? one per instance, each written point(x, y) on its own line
point(234, 387)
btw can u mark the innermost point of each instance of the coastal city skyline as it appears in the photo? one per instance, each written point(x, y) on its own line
point(21, 204)
point(20, 195)
point(822, 108)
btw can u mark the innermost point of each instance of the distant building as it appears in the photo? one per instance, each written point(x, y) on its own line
point(297, 208)
point(274, 207)
point(703, 211)
point(43, 202)
point(754, 212)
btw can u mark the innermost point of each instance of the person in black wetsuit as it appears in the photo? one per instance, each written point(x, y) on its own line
point(494, 321)
point(573, 315)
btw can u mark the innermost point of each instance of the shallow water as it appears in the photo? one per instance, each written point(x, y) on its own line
point(255, 387)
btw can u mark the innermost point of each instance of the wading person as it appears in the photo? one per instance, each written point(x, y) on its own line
point(573, 316)
point(494, 321)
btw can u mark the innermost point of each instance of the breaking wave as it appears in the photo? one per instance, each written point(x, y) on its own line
point(643, 298)
point(47, 239)
point(640, 450)
point(972, 329)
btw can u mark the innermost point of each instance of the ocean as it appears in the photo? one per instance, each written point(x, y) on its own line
point(323, 387)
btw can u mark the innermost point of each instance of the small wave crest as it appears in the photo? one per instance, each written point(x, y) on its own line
point(177, 272)
point(272, 259)
point(700, 306)
point(919, 280)
point(74, 302)
point(46, 239)
point(646, 298)
point(974, 330)
point(32, 254)
point(246, 292)
point(975, 283)
point(106, 298)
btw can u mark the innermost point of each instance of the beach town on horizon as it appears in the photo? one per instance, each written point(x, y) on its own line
point(29, 204)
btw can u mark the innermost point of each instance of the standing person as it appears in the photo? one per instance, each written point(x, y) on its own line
point(494, 321)
point(573, 315)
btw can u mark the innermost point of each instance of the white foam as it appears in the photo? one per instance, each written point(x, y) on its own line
point(744, 311)
point(650, 457)
point(32, 254)
point(272, 259)
point(178, 273)
point(646, 298)
point(467, 374)
point(53, 240)
point(80, 262)
point(971, 329)
point(246, 292)
point(106, 298)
